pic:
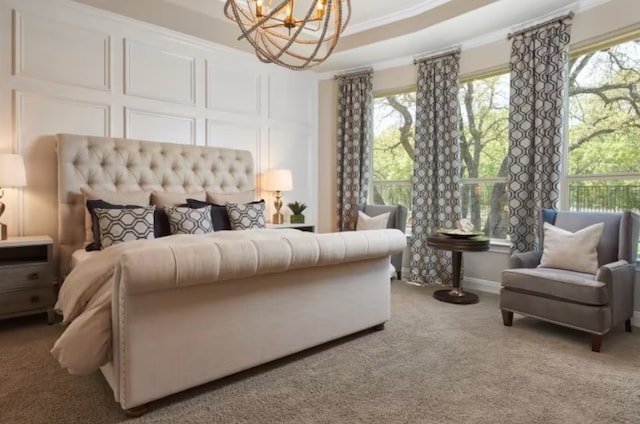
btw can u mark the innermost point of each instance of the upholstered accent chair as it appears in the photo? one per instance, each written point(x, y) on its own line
point(592, 302)
point(397, 220)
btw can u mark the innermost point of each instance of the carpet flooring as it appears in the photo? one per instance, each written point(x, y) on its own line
point(434, 363)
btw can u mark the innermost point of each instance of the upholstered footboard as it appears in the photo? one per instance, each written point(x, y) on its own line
point(166, 341)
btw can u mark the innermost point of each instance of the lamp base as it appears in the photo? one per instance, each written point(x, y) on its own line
point(3, 231)
point(278, 218)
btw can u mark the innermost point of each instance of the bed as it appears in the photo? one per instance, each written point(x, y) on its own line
point(186, 310)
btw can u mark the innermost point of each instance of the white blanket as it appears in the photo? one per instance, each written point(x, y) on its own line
point(84, 300)
point(181, 260)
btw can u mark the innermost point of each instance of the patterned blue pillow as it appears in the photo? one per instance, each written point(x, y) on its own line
point(184, 220)
point(245, 216)
point(121, 225)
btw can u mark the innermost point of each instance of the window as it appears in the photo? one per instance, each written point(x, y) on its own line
point(392, 155)
point(483, 135)
point(602, 160)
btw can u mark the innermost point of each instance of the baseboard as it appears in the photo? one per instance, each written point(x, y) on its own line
point(481, 285)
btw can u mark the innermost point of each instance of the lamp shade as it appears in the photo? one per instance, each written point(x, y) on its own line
point(277, 180)
point(12, 172)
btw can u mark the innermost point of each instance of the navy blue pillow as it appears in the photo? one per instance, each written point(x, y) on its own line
point(549, 215)
point(95, 226)
point(219, 215)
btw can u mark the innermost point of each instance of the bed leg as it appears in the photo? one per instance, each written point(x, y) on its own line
point(137, 411)
point(378, 327)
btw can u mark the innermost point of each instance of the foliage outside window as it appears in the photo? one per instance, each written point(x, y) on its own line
point(601, 165)
point(604, 130)
point(483, 136)
point(393, 144)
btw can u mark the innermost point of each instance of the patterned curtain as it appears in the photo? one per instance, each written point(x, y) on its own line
point(355, 105)
point(436, 171)
point(539, 62)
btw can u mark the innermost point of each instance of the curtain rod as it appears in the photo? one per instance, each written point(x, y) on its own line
point(540, 25)
point(436, 56)
point(356, 73)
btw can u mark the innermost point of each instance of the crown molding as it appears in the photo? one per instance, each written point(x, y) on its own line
point(396, 16)
point(482, 40)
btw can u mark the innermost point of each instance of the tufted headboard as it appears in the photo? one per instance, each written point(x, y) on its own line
point(127, 165)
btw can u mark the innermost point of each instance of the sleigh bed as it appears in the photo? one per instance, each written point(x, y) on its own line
point(185, 310)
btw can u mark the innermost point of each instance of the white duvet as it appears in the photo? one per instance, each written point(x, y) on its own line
point(84, 300)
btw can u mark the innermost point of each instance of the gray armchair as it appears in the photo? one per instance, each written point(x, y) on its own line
point(397, 220)
point(595, 303)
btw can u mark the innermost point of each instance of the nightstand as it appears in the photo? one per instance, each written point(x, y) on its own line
point(302, 227)
point(26, 276)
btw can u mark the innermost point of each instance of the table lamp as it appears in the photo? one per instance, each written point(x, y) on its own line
point(12, 174)
point(277, 180)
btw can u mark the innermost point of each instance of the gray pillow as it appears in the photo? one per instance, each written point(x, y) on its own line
point(184, 220)
point(562, 249)
point(121, 225)
point(245, 216)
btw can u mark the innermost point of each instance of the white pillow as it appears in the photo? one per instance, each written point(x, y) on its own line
point(563, 249)
point(366, 222)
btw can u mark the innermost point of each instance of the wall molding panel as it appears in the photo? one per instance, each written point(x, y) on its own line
point(158, 74)
point(38, 117)
point(235, 91)
point(58, 52)
point(142, 124)
point(77, 69)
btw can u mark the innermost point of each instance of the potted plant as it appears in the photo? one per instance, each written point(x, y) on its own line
point(297, 208)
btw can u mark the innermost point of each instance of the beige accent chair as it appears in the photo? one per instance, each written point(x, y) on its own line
point(397, 220)
point(595, 303)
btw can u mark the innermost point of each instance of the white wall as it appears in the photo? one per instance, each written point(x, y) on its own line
point(68, 67)
point(482, 270)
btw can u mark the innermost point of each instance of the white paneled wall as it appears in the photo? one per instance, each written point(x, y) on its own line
point(71, 68)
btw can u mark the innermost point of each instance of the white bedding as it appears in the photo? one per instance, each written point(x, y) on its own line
point(81, 255)
point(85, 297)
point(169, 262)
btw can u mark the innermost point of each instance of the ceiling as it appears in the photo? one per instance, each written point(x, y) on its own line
point(379, 30)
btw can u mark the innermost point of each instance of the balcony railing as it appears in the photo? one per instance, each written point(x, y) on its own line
point(477, 200)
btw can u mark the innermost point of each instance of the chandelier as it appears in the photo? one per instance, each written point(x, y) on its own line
point(293, 41)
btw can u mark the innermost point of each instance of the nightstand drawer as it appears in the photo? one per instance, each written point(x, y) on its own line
point(26, 300)
point(25, 276)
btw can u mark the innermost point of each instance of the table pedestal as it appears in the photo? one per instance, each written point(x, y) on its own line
point(473, 244)
point(455, 294)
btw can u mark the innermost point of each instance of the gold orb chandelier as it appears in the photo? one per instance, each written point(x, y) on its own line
point(293, 41)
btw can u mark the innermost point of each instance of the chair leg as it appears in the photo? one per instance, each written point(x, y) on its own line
point(596, 342)
point(627, 325)
point(399, 275)
point(507, 318)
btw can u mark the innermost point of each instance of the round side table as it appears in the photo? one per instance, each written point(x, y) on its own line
point(457, 245)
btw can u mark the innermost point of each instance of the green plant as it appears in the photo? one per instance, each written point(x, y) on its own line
point(296, 207)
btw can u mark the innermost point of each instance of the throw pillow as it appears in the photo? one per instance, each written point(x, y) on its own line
point(184, 220)
point(122, 225)
point(236, 197)
point(140, 197)
point(92, 205)
point(245, 216)
point(577, 251)
point(164, 198)
point(366, 222)
point(219, 215)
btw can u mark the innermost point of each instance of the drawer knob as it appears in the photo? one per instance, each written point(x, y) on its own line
point(33, 276)
point(34, 299)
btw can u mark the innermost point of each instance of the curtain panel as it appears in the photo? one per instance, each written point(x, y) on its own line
point(355, 106)
point(539, 60)
point(436, 171)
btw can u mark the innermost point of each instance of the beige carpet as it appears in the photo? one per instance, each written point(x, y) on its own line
point(434, 363)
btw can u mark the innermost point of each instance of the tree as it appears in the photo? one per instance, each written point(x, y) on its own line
point(604, 134)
